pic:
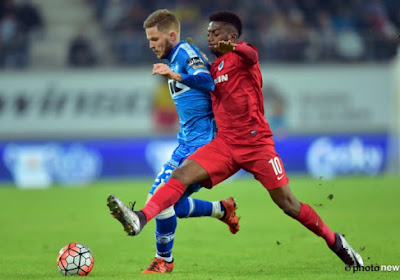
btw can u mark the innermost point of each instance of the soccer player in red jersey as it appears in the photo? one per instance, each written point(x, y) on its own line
point(244, 140)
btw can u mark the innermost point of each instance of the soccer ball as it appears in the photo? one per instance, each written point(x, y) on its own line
point(75, 259)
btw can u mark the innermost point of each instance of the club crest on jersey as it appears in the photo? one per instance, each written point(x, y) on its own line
point(221, 65)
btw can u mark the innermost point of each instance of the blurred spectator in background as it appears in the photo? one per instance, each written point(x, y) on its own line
point(382, 36)
point(29, 16)
point(322, 38)
point(127, 37)
point(81, 52)
point(300, 31)
point(348, 43)
point(17, 22)
point(115, 11)
point(283, 30)
point(127, 46)
point(13, 42)
point(298, 37)
point(99, 7)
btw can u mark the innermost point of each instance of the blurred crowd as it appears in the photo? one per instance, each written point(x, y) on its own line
point(303, 31)
point(282, 30)
point(19, 21)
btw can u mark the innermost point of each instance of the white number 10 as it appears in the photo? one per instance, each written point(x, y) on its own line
point(276, 165)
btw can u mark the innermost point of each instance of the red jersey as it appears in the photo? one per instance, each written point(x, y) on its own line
point(237, 100)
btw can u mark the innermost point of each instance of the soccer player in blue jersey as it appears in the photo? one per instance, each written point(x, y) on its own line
point(190, 84)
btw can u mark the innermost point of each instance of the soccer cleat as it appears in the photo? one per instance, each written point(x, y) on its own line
point(230, 217)
point(129, 218)
point(159, 266)
point(345, 252)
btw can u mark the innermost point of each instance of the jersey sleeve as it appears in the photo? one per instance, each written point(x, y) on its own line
point(247, 53)
point(197, 74)
point(201, 81)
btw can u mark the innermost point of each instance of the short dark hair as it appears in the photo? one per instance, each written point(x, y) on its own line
point(229, 18)
point(164, 20)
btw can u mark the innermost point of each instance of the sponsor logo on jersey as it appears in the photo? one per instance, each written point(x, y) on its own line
point(221, 78)
point(221, 65)
point(195, 61)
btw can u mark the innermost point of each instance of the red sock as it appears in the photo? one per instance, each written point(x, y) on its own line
point(165, 197)
point(310, 219)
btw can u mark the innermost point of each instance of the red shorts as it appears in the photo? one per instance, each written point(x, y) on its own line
point(222, 160)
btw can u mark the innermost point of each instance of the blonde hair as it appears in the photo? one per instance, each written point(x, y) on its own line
point(164, 20)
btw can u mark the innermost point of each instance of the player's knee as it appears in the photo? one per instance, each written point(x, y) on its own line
point(178, 174)
point(167, 213)
point(190, 172)
point(182, 175)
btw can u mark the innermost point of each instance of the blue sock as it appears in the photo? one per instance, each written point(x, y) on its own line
point(165, 234)
point(189, 207)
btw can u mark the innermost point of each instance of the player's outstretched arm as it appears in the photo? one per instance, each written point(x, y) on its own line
point(248, 54)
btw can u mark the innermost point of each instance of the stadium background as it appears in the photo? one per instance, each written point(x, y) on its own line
point(78, 103)
point(79, 107)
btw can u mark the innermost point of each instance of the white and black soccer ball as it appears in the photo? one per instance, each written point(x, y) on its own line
point(75, 259)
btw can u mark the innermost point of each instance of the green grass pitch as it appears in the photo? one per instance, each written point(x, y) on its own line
point(35, 224)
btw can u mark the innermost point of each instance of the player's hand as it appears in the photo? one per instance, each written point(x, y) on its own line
point(225, 46)
point(163, 70)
